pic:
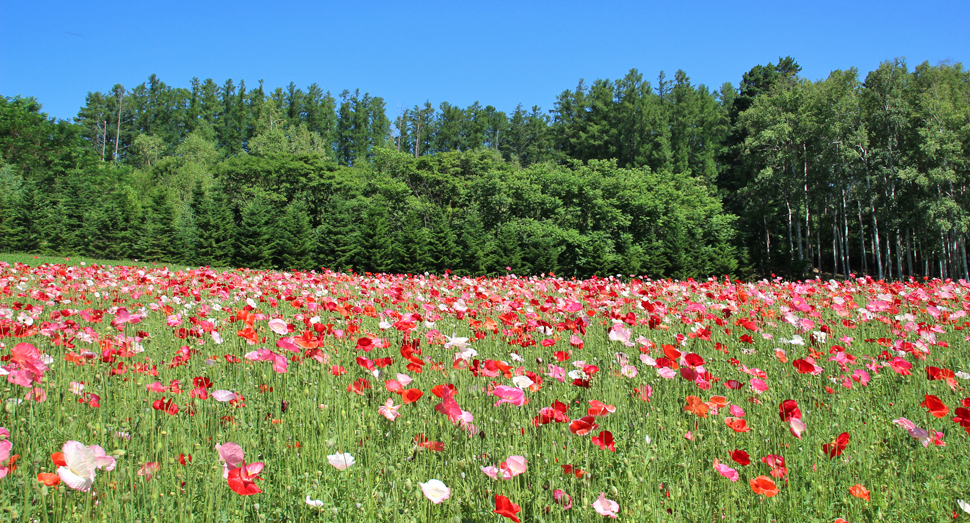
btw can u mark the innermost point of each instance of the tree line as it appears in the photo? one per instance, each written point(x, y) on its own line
point(779, 174)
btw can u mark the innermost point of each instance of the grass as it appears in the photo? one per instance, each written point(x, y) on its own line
point(655, 474)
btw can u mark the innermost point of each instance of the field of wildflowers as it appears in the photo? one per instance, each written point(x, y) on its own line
point(134, 393)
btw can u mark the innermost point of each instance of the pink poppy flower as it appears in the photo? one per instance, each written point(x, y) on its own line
point(389, 410)
point(82, 462)
point(507, 394)
point(726, 471)
point(435, 491)
point(560, 497)
point(606, 507)
point(341, 461)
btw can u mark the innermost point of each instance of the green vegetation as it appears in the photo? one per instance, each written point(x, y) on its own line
point(777, 175)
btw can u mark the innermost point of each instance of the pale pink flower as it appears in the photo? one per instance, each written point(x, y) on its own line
point(278, 326)
point(149, 469)
point(606, 507)
point(223, 395)
point(389, 410)
point(232, 456)
point(82, 464)
point(341, 461)
point(435, 490)
point(508, 469)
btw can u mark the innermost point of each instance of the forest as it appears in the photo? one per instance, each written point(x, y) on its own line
point(777, 174)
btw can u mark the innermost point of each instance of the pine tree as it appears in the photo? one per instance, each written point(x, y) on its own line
point(187, 236)
point(25, 223)
point(443, 248)
point(379, 250)
point(253, 245)
point(295, 241)
point(214, 223)
point(415, 242)
point(477, 246)
point(158, 235)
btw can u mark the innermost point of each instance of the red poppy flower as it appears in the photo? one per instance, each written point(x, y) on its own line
point(58, 459)
point(935, 406)
point(962, 418)
point(168, 406)
point(604, 441)
point(859, 491)
point(763, 485)
point(936, 373)
point(738, 424)
point(837, 446)
point(423, 442)
point(777, 464)
point(741, 457)
point(788, 410)
point(583, 426)
point(569, 469)
point(366, 363)
point(411, 395)
point(506, 508)
point(803, 367)
point(671, 352)
point(437, 390)
point(49, 479)
point(599, 408)
point(241, 481)
point(696, 406)
point(358, 386)
point(694, 360)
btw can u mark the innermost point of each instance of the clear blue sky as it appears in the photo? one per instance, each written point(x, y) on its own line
point(498, 53)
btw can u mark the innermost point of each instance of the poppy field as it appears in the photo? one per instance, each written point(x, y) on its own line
point(138, 393)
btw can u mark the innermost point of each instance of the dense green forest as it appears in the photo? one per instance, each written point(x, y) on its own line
point(664, 178)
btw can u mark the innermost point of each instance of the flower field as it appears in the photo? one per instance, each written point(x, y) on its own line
point(143, 394)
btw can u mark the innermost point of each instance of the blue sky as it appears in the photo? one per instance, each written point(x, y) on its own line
point(498, 53)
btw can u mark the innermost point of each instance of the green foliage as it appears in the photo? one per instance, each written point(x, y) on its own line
point(158, 237)
point(253, 240)
point(835, 176)
point(294, 239)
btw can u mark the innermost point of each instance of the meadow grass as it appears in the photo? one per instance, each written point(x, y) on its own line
point(293, 420)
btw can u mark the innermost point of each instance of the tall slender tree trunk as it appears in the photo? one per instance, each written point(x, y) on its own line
point(836, 241)
point(767, 259)
point(845, 237)
point(909, 252)
point(862, 240)
point(899, 256)
point(121, 99)
point(875, 245)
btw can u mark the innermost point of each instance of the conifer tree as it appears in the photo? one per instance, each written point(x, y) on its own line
point(157, 238)
point(25, 223)
point(443, 248)
point(253, 242)
point(477, 246)
point(295, 241)
point(214, 223)
point(415, 242)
